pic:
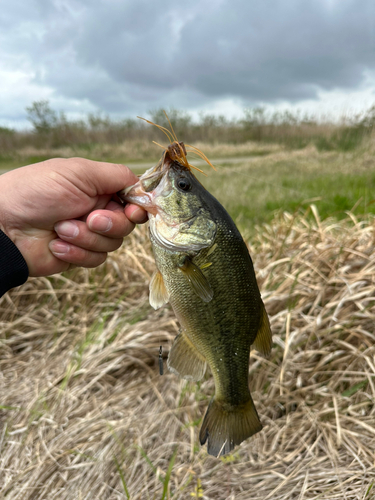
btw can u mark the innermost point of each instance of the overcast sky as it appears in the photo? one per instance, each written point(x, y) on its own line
point(125, 57)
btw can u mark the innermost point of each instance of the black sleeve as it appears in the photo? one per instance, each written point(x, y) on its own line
point(13, 268)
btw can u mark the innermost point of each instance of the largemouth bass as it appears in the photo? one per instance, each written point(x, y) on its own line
point(205, 271)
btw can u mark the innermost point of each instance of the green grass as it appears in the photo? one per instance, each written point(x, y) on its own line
point(251, 191)
point(167, 475)
point(335, 182)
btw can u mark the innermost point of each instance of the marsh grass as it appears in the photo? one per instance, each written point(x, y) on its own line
point(127, 152)
point(129, 139)
point(85, 414)
point(265, 161)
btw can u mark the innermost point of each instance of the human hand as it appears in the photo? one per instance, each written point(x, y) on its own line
point(60, 212)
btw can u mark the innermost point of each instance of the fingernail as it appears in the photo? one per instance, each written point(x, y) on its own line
point(100, 223)
point(59, 247)
point(138, 215)
point(67, 229)
point(138, 212)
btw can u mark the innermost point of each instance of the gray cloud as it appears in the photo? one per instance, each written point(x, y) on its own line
point(130, 55)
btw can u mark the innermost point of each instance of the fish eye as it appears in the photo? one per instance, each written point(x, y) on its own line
point(183, 184)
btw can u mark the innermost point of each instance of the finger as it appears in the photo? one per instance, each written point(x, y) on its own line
point(77, 233)
point(136, 214)
point(76, 255)
point(111, 223)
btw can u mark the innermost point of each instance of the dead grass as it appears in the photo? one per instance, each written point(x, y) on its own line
point(85, 415)
point(130, 151)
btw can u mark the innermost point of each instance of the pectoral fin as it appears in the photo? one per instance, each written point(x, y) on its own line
point(197, 280)
point(263, 340)
point(185, 360)
point(158, 293)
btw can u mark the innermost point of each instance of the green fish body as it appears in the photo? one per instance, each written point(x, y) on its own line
point(205, 271)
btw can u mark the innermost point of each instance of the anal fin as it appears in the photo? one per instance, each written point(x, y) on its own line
point(185, 360)
point(158, 293)
point(263, 340)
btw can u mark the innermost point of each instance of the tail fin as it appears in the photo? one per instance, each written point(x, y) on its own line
point(224, 426)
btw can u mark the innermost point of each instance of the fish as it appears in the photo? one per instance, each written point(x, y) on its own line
point(204, 270)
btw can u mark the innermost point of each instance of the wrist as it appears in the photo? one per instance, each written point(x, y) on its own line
point(13, 267)
point(8, 232)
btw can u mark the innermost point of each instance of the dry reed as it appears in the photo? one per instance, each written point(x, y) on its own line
point(85, 414)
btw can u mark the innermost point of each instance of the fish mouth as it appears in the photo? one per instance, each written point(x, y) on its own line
point(135, 194)
point(148, 182)
point(153, 183)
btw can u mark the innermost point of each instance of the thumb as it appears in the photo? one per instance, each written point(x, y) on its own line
point(98, 178)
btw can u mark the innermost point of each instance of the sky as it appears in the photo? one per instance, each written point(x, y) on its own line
point(125, 58)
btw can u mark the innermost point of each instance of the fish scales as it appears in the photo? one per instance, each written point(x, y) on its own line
point(235, 307)
point(205, 271)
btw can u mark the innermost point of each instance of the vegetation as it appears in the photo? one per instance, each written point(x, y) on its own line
point(253, 189)
point(52, 130)
point(265, 161)
point(84, 412)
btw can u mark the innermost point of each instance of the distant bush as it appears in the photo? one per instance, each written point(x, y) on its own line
point(5, 131)
point(43, 118)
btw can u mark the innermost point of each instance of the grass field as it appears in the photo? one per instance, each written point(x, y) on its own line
point(257, 178)
point(85, 414)
point(291, 180)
